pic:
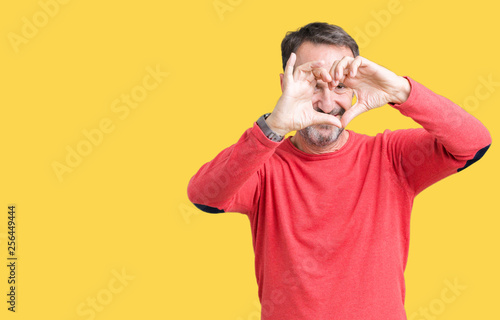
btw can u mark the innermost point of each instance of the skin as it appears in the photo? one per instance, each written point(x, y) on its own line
point(317, 87)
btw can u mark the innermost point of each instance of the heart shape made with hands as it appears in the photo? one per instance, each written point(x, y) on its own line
point(372, 85)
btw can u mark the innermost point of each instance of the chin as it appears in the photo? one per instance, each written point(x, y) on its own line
point(321, 135)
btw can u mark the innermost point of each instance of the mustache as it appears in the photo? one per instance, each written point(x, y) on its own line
point(334, 112)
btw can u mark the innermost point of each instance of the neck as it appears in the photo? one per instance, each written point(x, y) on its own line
point(299, 142)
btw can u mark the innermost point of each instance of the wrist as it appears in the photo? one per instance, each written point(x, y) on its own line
point(402, 92)
point(273, 125)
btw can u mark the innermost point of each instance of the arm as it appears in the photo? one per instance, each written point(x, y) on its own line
point(450, 141)
point(231, 181)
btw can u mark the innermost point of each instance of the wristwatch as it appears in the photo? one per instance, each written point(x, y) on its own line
point(270, 134)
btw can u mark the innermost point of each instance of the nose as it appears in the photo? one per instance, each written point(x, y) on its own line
point(324, 101)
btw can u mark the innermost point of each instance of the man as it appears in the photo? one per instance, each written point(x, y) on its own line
point(330, 208)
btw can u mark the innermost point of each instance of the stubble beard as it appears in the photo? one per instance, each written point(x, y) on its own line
point(322, 135)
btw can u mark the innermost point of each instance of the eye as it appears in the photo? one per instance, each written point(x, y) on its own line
point(340, 88)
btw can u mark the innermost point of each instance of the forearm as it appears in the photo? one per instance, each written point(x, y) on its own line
point(461, 134)
point(218, 181)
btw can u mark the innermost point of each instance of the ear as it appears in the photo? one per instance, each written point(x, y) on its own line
point(281, 81)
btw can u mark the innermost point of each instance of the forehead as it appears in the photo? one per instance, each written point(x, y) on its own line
point(309, 51)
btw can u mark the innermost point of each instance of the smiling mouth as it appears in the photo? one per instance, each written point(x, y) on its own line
point(338, 112)
point(337, 115)
point(325, 126)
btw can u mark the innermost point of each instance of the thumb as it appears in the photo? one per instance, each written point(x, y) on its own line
point(353, 112)
point(323, 118)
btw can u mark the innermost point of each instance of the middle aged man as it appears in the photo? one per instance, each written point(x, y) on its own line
point(330, 208)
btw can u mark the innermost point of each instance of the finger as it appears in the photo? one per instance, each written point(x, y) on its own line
point(353, 112)
point(306, 71)
point(309, 66)
point(289, 66)
point(355, 66)
point(342, 68)
point(323, 118)
point(308, 76)
point(322, 74)
point(334, 82)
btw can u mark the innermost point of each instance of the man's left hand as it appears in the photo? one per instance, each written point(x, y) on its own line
point(373, 85)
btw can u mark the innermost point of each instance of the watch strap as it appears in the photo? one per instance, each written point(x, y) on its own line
point(270, 134)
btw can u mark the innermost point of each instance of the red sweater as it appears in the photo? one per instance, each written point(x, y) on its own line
point(331, 231)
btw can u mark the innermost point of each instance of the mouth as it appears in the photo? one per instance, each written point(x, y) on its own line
point(324, 127)
point(329, 127)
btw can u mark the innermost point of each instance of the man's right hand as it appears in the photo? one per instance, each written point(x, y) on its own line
point(294, 110)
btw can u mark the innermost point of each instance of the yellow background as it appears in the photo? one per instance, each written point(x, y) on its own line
point(125, 208)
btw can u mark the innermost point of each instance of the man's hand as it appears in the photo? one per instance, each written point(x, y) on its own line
point(373, 85)
point(294, 110)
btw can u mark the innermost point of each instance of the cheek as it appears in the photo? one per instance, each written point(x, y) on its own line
point(347, 100)
point(344, 100)
point(316, 96)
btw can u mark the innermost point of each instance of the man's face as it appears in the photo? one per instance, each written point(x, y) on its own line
point(334, 102)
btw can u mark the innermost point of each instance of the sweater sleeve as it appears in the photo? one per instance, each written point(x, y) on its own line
point(231, 181)
point(451, 139)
